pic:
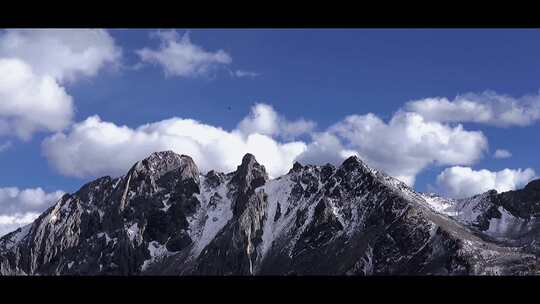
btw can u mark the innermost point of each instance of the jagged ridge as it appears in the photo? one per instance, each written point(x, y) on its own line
point(165, 217)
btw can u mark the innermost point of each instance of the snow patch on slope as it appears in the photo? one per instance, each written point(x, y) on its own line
point(464, 210)
point(440, 204)
point(214, 214)
point(508, 225)
point(157, 252)
point(278, 192)
point(133, 231)
point(17, 237)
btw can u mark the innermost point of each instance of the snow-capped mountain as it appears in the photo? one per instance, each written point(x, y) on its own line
point(166, 218)
point(511, 217)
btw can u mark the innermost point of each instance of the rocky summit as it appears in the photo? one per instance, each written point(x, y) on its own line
point(165, 217)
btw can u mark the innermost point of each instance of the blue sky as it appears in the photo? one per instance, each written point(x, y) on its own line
point(320, 76)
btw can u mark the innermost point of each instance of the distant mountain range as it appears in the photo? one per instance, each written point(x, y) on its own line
point(166, 218)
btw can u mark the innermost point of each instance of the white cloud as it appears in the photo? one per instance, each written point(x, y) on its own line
point(9, 223)
point(64, 54)
point(486, 108)
point(34, 64)
point(178, 56)
point(265, 120)
point(15, 200)
point(325, 148)
point(31, 102)
point(501, 153)
point(402, 147)
point(94, 147)
point(19, 207)
point(462, 182)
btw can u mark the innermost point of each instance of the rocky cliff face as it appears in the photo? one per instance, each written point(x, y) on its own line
point(164, 217)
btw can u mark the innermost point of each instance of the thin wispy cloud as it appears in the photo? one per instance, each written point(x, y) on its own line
point(178, 56)
point(4, 146)
point(501, 153)
point(243, 73)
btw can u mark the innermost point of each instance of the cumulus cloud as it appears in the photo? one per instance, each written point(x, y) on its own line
point(501, 153)
point(94, 147)
point(460, 182)
point(402, 147)
point(263, 119)
point(9, 223)
point(325, 148)
point(31, 102)
point(19, 207)
point(178, 56)
point(64, 54)
point(34, 64)
point(486, 108)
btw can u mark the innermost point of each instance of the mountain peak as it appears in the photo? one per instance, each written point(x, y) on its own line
point(161, 157)
point(296, 167)
point(352, 162)
point(250, 173)
point(163, 153)
point(248, 159)
point(321, 220)
point(162, 162)
point(533, 185)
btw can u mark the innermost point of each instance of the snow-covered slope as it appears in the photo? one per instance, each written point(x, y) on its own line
point(511, 217)
point(165, 217)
